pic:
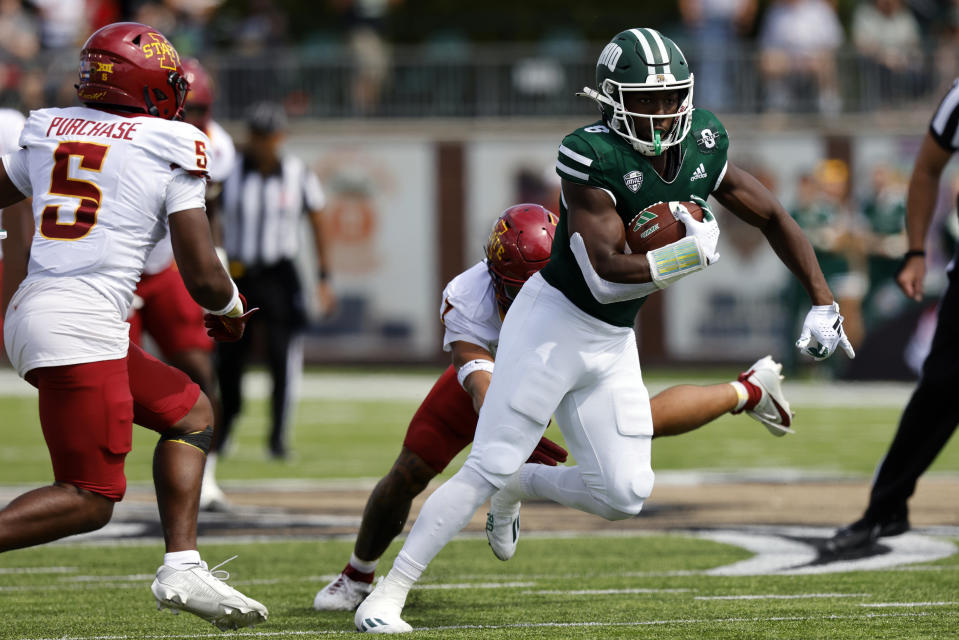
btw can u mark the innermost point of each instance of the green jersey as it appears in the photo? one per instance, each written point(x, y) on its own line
point(597, 157)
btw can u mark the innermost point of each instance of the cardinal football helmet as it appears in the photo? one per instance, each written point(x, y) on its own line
point(132, 67)
point(643, 60)
point(518, 246)
point(199, 100)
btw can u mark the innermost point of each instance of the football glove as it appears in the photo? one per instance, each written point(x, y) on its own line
point(226, 329)
point(548, 452)
point(705, 232)
point(823, 324)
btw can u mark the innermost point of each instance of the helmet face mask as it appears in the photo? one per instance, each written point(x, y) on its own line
point(644, 61)
point(129, 66)
point(518, 246)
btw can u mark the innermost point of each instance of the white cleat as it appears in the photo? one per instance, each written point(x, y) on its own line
point(502, 524)
point(772, 409)
point(343, 594)
point(212, 497)
point(381, 612)
point(198, 591)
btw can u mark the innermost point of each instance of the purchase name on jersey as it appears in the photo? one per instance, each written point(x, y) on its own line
point(95, 128)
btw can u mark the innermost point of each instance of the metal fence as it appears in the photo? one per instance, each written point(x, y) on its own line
point(516, 81)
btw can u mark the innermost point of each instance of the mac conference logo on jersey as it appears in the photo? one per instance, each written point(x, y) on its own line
point(633, 180)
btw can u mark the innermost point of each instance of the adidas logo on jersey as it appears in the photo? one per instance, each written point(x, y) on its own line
point(699, 173)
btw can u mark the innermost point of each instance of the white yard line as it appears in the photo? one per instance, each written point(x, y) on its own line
point(522, 625)
point(792, 596)
point(909, 604)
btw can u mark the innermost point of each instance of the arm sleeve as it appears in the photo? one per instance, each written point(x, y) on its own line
point(945, 122)
point(313, 194)
point(185, 191)
point(18, 168)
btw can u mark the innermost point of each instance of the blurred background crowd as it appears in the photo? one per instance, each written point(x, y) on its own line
point(425, 118)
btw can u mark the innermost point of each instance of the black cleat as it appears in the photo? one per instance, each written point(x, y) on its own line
point(862, 533)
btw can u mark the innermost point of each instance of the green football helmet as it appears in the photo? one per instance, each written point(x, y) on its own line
point(643, 60)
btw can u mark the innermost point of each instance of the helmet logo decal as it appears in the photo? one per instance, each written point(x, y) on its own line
point(167, 57)
point(103, 68)
point(633, 180)
point(610, 56)
point(495, 242)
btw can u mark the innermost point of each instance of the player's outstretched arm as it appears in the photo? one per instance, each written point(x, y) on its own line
point(749, 200)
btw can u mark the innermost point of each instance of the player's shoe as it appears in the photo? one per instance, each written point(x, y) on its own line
point(502, 521)
point(862, 533)
point(772, 409)
point(342, 594)
point(382, 611)
point(198, 591)
point(212, 497)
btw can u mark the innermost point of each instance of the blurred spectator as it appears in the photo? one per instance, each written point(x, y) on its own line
point(824, 212)
point(19, 43)
point(63, 23)
point(887, 34)
point(798, 41)
point(714, 28)
point(884, 210)
point(264, 26)
point(365, 23)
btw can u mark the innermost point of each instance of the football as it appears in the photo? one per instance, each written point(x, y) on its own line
point(657, 225)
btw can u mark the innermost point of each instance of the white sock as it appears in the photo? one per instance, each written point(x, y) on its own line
point(443, 515)
point(209, 470)
point(182, 559)
point(362, 565)
point(741, 394)
point(564, 485)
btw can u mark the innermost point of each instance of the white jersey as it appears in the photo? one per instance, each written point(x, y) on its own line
point(469, 311)
point(102, 186)
point(222, 155)
point(11, 123)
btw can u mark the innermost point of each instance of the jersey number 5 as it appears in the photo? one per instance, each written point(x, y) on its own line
point(61, 184)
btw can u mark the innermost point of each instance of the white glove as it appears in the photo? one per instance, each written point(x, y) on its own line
point(824, 324)
point(705, 232)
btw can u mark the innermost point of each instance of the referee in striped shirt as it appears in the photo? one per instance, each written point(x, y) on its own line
point(932, 414)
point(264, 200)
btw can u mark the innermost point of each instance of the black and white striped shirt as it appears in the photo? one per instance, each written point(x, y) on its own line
point(262, 214)
point(944, 127)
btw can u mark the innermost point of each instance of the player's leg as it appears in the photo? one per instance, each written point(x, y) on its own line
point(757, 391)
point(85, 413)
point(175, 322)
point(926, 425)
point(442, 427)
point(524, 391)
point(607, 424)
point(167, 401)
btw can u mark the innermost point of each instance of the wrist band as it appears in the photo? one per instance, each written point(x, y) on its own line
point(914, 253)
point(233, 304)
point(479, 364)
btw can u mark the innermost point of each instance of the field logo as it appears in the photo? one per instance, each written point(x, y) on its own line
point(633, 180)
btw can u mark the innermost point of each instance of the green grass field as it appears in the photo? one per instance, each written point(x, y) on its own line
point(582, 586)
